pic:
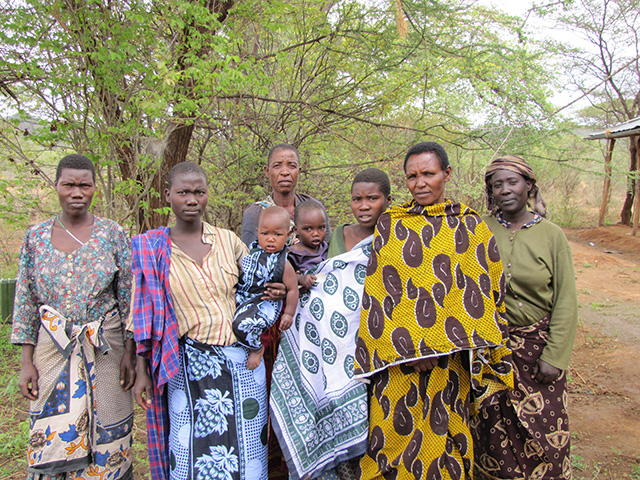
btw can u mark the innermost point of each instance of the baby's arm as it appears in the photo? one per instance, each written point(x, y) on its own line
point(290, 279)
point(306, 281)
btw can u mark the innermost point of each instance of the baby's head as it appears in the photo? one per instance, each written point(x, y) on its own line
point(273, 229)
point(370, 196)
point(311, 223)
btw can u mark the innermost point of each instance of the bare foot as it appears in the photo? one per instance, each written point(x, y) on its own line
point(255, 357)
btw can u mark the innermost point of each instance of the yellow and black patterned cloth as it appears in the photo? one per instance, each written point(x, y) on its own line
point(434, 287)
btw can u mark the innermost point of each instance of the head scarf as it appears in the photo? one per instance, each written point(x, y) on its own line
point(520, 166)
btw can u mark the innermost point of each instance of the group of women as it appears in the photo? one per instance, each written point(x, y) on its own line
point(433, 345)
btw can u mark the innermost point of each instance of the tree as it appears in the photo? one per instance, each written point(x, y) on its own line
point(140, 85)
point(113, 80)
point(604, 66)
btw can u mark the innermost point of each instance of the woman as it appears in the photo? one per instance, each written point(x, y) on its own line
point(526, 435)
point(319, 412)
point(72, 296)
point(206, 411)
point(370, 196)
point(430, 340)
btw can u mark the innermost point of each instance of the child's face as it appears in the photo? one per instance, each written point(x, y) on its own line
point(311, 226)
point(273, 232)
point(368, 203)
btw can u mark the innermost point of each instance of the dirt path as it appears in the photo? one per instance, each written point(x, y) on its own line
point(605, 367)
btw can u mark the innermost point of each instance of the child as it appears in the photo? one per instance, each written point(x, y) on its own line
point(328, 391)
point(370, 197)
point(266, 262)
point(311, 227)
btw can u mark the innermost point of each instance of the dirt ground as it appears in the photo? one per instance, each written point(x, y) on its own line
point(604, 414)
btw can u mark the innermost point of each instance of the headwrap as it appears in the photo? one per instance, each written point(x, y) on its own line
point(520, 166)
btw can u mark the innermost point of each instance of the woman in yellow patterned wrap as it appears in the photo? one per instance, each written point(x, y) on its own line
point(432, 332)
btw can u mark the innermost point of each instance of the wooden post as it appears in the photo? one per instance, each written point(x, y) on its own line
point(636, 200)
point(607, 181)
point(626, 215)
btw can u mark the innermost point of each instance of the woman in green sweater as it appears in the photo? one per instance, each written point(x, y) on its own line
point(526, 435)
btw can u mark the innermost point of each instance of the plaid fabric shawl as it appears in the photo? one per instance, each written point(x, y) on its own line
point(156, 334)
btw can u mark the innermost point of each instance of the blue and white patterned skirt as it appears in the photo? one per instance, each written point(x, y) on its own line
point(217, 415)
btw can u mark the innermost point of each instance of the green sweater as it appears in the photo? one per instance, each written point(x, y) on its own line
point(336, 244)
point(540, 279)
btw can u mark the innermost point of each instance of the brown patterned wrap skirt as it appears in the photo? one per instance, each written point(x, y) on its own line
point(526, 434)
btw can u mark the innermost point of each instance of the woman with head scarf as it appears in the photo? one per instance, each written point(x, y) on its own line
point(431, 338)
point(526, 434)
point(78, 364)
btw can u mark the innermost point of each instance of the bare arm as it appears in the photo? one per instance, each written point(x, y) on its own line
point(128, 365)
point(290, 279)
point(306, 281)
point(275, 291)
point(545, 373)
point(424, 364)
point(28, 382)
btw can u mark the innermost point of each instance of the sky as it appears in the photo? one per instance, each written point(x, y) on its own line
point(519, 8)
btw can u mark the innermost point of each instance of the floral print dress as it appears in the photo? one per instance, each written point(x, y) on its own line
point(72, 307)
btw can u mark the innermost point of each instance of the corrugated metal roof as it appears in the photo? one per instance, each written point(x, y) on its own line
point(626, 129)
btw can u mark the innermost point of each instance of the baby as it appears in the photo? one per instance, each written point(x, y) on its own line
point(266, 262)
point(311, 228)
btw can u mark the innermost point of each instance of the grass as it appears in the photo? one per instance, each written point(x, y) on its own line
point(140, 454)
point(598, 306)
point(577, 462)
point(14, 425)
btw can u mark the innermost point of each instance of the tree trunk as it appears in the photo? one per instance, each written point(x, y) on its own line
point(181, 131)
point(625, 214)
point(607, 181)
point(176, 150)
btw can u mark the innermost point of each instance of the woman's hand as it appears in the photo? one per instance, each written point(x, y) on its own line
point(143, 387)
point(424, 364)
point(275, 291)
point(28, 381)
point(128, 365)
point(545, 373)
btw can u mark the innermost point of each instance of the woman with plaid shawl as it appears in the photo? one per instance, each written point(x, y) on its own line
point(206, 411)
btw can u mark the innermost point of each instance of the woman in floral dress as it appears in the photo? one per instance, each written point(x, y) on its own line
point(78, 364)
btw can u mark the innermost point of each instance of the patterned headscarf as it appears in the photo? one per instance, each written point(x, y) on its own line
point(520, 166)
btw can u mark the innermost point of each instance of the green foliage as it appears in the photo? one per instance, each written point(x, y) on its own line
point(603, 64)
point(139, 86)
point(14, 428)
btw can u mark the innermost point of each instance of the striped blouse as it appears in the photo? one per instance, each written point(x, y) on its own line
point(204, 296)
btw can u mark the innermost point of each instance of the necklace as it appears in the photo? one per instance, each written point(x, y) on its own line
point(70, 234)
